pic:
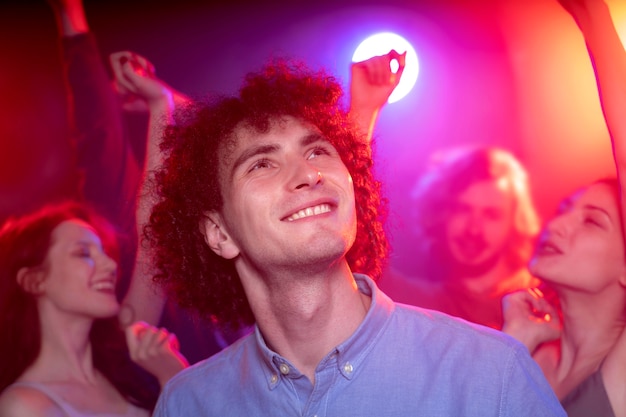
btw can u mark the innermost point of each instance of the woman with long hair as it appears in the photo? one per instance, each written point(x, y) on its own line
point(63, 351)
point(581, 347)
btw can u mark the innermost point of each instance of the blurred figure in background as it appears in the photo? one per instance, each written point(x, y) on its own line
point(112, 168)
point(475, 226)
point(581, 254)
point(63, 351)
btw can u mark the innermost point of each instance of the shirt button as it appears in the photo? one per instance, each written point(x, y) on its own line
point(347, 368)
point(284, 368)
point(274, 379)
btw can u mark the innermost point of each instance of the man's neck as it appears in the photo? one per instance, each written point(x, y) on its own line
point(304, 317)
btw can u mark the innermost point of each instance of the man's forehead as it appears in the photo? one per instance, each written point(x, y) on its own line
point(246, 135)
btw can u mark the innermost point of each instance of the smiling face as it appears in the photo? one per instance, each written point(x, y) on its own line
point(288, 200)
point(480, 223)
point(79, 276)
point(582, 247)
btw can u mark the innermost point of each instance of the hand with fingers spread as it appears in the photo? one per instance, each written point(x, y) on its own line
point(371, 83)
point(530, 318)
point(155, 350)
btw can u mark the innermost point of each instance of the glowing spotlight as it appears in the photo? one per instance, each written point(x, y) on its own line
point(381, 44)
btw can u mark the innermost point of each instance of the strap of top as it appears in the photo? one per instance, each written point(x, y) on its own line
point(63, 405)
point(71, 411)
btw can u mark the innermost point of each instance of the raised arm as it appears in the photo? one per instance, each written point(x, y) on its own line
point(608, 57)
point(371, 83)
point(135, 76)
point(609, 63)
point(103, 155)
point(70, 17)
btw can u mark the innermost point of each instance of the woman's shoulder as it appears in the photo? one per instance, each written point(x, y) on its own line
point(25, 400)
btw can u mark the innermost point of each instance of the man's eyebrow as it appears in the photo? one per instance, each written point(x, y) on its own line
point(252, 152)
point(312, 138)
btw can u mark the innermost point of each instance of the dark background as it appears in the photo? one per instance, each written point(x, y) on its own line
point(500, 72)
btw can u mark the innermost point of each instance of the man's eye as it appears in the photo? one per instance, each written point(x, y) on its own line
point(260, 164)
point(319, 150)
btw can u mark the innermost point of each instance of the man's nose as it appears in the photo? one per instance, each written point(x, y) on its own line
point(305, 175)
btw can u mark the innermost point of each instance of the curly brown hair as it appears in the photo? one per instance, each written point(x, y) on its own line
point(187, 184)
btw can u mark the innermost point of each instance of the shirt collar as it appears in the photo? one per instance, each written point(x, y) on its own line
point(347, 356)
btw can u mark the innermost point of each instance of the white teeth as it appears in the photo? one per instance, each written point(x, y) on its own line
point(309, 211)
point(104, 285)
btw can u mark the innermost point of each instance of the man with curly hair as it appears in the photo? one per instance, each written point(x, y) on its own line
point(269, 214)
point(475, 226)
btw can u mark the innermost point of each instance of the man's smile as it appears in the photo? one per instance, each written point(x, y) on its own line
point(309, 211)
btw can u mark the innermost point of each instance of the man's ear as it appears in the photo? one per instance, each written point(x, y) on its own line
point(30, 279)
point(217, 236)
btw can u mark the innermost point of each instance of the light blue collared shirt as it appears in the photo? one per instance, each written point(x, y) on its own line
point(401, 361)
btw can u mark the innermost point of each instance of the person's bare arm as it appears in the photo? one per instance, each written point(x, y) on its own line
point(135, 75)
point(70, 17)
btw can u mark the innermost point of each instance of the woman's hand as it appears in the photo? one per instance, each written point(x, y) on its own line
point(530, 318)
point(155, 350)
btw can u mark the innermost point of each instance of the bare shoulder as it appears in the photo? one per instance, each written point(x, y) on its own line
point(27, 402)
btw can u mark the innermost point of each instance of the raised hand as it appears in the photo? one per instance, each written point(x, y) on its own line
point(530, 318)
point(372, 82)
point(136, 82)
point(155, 350)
